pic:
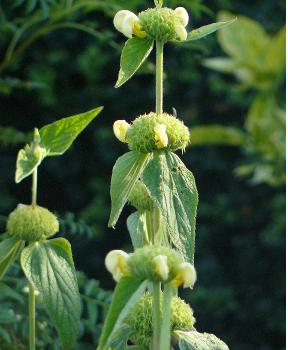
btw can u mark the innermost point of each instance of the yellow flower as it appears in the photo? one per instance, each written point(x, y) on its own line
point(161, 266)
point(161, 137)
point(183, 14)
point(116, 264)
point(120, 128)
point(186, 276)
point(127, 23)
point(181, 32)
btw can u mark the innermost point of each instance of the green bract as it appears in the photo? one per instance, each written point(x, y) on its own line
point(143, 266)
point(159, 23)
point(140, 197)
point(140, 319)
point(32, 223)
point(141, 135)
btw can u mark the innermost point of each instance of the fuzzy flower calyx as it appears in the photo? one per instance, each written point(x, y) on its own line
point(32, 223)
point(164, 24)
point(127, 23)
point(116, 264)
point(186, 276)
point(120, 128)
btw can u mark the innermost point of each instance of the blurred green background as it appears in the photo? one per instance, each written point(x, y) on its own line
point(59, 58)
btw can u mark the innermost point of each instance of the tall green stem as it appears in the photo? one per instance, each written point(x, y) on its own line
point(165, 335)
point(32, 332)
point(156, 316)
point(159, 77)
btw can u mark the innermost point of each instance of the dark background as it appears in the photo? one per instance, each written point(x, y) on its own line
point(240, 228)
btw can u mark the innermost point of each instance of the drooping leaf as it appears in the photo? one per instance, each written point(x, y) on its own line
point(27, 160)
point(126, 294)
point(173, 188)
point(9, 251)
point(136, 224)
point(126, 171)
point(201, 32)
point(134, 54)
point(49, 268)
point(120, 338)
point(216, 135)
point(57, 137)
point(194, 340)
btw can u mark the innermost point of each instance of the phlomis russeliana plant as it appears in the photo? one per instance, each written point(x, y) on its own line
point(47, 263)
point(146, 313)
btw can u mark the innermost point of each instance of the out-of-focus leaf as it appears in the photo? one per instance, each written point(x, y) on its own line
point(216, 135)
point(134, 54)
point(276, 55)
point(201, 32)
point(223, 65)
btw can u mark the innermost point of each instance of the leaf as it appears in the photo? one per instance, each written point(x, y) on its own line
point(277, 52)
point(201, 32)
point(216, 135)
point(9, 251)
point(120, 338)
point(134, 54)
point(126, 171)
point(220, 64)
point(194, 340)
point(58, 136)
point(136, 224)
point(126, 294)
point(49, 268)
point(173, 188)
point(28, 160)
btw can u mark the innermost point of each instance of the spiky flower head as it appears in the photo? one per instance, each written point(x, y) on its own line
point(155, 263)
point(140, 319)
point(140, 197)
point(116, 264)
point(161, 23)
point(32, 223)
point(147, 133)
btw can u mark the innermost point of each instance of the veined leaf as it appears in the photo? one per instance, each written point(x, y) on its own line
point(173, 188)
point(27, 160)
point(194, 340)
point(58, 136)
point(9, 251)
point(136, 224)
point(216, 135)
point(120, 338)
point(201, 32)
point(134, 54)
point(126, 171)
point(126, 294)
point(49, 268)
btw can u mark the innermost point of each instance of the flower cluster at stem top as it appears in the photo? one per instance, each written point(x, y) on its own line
point(154, 263)
point(161, 24)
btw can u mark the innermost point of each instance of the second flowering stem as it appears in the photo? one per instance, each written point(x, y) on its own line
point(159, 77)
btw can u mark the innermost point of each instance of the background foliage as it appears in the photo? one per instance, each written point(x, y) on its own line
point(64, 60)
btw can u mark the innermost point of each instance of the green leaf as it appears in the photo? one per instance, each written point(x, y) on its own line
point(9, 251)
point(126, 294)
point(201, 32)
point(58, 136)
point(276, 55)
point(173, 188)
point(220, 64)
point(49, 268)
point(28, 159)
point(194, 340)
point(216, 135)
point(136, 224)
point(126, 171)
point(120, 338)
point(134, 54)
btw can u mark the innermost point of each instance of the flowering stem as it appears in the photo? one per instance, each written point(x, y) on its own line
point(159, 77)
point(31, 317)
point(156, 316)
point(165, 335)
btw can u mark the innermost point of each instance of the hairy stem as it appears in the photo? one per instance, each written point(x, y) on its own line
point(165, 335)
point(159, 77)
point(31, 317)
point(34, 187)
point(156, 316)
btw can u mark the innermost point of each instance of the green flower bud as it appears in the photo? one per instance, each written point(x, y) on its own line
point(159, 23)
point(143, 134)
point(150, 263)
point(32, 223)
point(140, 197)
point(140, 319)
